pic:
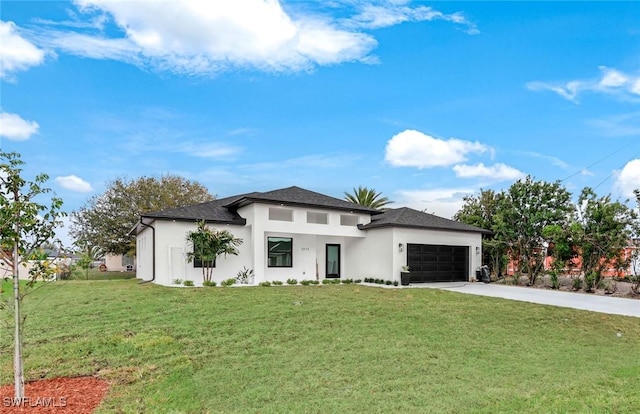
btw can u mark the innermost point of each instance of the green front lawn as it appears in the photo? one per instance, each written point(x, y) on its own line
point(327, 349)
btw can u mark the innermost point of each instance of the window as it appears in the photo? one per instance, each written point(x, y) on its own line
point(280, 214)
point(280, 251)
point(316, 218)
point(201, 263)
point(348, 220)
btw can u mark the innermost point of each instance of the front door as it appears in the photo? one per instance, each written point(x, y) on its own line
point(333, 261)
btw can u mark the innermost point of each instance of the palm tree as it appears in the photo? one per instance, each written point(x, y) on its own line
point(367, 197)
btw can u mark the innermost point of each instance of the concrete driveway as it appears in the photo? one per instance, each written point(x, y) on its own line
point(584, 301)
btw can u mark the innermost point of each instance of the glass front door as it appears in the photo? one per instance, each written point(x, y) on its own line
point(333, 261)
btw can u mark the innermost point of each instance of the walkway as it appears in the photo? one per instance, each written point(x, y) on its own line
point(584, 301)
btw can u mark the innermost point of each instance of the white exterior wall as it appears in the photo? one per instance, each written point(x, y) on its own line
point(309, 241)
point(371, 256)
point(172, 249)
point(144, 254)
point(371, 253)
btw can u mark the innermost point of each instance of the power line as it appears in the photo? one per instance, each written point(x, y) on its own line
point(614, 171)
point(599, 161)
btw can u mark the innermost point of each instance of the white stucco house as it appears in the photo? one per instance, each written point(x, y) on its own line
point(300, 234)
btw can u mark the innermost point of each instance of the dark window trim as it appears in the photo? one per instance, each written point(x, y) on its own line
point(291, 251)
point(326, 260)
point(198, 263)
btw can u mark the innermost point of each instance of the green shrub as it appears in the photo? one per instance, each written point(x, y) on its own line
point(577, 283)
point(326, 281)
point(277, 283)
point(265, 284)
point(229, 282)
point(177, 281)
point(357, 281)
point(244, 276)
point(315, 282)
point(305, 282)
point(388, 282)
point(188, 283)
point(553, 277)
point(395, 283)
point(591, 280)
point(208, 283)
point(347, 281)
point(292, 281)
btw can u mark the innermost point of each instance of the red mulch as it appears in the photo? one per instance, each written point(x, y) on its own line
point(80, 395)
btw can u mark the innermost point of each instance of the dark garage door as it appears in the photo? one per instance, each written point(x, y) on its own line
point(435, 263)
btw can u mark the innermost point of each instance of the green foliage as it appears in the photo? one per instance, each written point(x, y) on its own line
point(209, 283)
point(601, 229)
point(555, 282)
point(591, 280)
point(367, 197)
point(576, 283)
point(277, 283)
point(527, 209)
point(207, 245)
point(357, 281)
point(228, 282)
point(292, 282)
point(244, 276)
point(105, 220)
point(482, 211)
point(265, 284)
point(177, 281)
point(26, 224)
point(344, 350)
point(187, 283)
point(305, 282)
point(327, 281)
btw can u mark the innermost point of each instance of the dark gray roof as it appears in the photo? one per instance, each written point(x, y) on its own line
point(213, 211)
point(296, 196)
point(224, 210)
point(410, 218)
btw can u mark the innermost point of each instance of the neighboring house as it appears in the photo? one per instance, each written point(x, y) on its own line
point(300, 234)
point(54, 257)
point(630, 253)
point(119, 263)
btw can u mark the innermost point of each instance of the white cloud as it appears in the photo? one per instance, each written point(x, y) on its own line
point(611, 81)
point(629, 178)
point(497, 172)
point(196, 37)
point(412, 148)
point(444, 202)
point(13, 127)
point(376, 16)
point(16, 53)
point(74, 183)
point(207, 150)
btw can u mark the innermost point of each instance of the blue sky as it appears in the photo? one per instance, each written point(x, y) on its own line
point(423, 101)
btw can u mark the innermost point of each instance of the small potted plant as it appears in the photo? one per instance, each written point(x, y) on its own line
point(405, 276)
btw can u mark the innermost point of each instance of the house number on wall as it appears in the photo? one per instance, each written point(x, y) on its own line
point(305, 249)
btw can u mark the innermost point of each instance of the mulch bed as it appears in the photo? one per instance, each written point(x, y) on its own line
point(80, 395)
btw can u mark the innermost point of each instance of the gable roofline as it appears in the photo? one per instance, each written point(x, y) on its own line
point(406, 217)
point(300, 197)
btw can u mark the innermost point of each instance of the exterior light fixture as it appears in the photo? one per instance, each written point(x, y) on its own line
point(477, 250)
point(400, 246)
